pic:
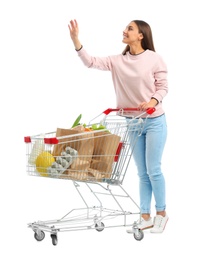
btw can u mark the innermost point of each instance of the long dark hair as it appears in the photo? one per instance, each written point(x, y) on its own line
point(147, 41)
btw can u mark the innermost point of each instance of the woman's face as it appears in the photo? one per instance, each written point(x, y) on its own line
point(131, 34)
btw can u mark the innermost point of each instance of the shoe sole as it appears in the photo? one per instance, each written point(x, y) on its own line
point(146, 227)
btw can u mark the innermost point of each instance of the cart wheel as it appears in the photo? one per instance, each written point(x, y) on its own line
point(99, 227)
point(54, 239)
point(40, 236)
point(139, 234)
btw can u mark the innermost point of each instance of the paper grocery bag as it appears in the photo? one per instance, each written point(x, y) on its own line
point(77, 175)
point(82, 143)
point(105, 147)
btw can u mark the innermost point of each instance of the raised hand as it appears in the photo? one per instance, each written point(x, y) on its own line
point(74, 34)
point(73, 28)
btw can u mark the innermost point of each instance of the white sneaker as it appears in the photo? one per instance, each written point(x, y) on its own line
point(143, 224)
point(159, 224)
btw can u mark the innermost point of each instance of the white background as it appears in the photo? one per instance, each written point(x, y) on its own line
point(45, 86)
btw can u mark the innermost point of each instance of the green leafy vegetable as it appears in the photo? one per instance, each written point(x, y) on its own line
point(77, 121)
point(98, 127)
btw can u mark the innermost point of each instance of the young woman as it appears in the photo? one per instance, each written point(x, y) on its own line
point(140, 80)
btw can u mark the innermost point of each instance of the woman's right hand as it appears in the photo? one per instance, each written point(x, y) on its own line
point(74, 33)
point(74, 30)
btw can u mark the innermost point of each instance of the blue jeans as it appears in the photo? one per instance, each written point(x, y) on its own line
point(147, 155)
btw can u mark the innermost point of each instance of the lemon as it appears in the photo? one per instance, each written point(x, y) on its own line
point(43, 161)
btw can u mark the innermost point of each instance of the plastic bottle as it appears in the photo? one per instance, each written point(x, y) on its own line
point(37, 148)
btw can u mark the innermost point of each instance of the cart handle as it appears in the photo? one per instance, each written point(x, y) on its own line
point(148, 110)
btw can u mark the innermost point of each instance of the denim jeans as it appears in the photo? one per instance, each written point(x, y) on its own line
point(147, 154)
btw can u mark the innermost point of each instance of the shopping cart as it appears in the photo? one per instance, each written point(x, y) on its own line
point(98, 160)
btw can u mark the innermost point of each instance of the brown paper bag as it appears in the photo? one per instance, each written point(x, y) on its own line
point(99, 165)
point(97, 175)
point(78, 175)
point(82, 143)
point(80, 165)
point(105, 147)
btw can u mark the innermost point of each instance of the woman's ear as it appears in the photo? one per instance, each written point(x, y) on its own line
point(141, 36)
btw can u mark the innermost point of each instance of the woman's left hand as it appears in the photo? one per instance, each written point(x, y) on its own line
point(145, 105)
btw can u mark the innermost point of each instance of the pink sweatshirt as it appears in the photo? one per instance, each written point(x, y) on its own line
point(136, 78)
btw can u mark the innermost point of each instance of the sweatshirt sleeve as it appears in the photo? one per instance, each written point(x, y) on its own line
point(103, 63)
point(160, 75)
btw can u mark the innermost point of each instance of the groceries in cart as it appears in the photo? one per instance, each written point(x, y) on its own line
point(82, 152)
point(98, 152)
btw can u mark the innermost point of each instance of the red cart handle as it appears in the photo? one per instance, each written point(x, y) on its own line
point(148, 111)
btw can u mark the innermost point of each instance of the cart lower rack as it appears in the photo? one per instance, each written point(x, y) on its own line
point(97, 160)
